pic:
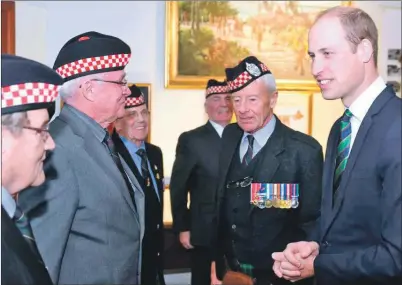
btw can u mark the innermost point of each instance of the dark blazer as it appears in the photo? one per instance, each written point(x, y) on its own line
point(195, 170)
point(288, 157)
point(18, 264)
point(360, 236)
point(155, 157)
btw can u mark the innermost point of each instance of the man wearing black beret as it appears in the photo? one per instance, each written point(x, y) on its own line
point(195, 172)
point(28, 93)
point(146, 162)
point(269, 189)
point(90, 214)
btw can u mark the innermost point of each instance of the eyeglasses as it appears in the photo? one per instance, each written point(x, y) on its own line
point(144, 113)
point(122, 83)
point(43, 132)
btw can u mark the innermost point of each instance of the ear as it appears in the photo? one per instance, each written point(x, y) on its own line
point(365, 50)
point(273, 98)
point(87, 90)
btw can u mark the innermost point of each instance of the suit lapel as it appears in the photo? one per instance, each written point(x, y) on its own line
point(364, 129)
point(126, 155)
point(229, 146)
point(328, 175)
point(156, 170)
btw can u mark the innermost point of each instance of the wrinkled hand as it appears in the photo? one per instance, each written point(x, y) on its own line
point(185, 240)
point(296, 262)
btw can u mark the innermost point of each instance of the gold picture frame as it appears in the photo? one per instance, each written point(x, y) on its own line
point(175, 80)
point(146, 91)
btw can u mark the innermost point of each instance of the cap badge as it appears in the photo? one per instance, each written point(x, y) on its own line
point(253, 69)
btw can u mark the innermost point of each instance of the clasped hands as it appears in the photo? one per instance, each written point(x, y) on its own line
point(296, 262)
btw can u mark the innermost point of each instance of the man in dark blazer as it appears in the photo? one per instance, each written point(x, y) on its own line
point(269, 177)
point(89, 215)
point(359, 238)
point(195, 171)
point(146, 162)
point(24, 140)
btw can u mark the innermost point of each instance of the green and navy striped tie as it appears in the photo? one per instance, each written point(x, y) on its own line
point(343, 148)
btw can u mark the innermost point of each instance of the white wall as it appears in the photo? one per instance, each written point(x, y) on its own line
point(44, 27)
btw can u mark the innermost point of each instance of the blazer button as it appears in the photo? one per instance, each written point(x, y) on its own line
point(233, 226)
point(159, 254)
point(157, 226)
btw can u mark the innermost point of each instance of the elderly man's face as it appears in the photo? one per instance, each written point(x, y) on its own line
point(110, 97)
point(25, 152)
point(219, 108)
point(135, 123)
point(253, 106)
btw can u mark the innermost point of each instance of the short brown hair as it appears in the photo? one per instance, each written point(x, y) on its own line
point(358, 25)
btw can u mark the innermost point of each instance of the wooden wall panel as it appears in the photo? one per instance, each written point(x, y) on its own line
point(8, 27)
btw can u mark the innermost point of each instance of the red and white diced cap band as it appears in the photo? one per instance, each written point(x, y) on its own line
point(217, 90)
point(245, 77)
point(28, 93)
point(135, 101)
point(93, 63)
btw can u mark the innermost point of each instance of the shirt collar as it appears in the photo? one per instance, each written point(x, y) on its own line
point(132, 147)
point(218, 128)
point(362, 104)
point(8, 202)
point(262, 135)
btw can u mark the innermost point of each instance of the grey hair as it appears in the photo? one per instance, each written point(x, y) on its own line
point(269, 82)
point(14, 122)
point(69, 88)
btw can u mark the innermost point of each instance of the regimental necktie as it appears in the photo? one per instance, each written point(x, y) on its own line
point(108, 141)
point(249, 154)
point(22, 223)
point(343, 149)
point(144, 165)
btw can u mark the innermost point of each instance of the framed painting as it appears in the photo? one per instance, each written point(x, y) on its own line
point(294, 110)
point(146, 90)
point(205, 37)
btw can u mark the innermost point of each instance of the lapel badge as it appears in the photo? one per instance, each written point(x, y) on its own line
point(148, 182)
point(157, 176)
point(155, 167)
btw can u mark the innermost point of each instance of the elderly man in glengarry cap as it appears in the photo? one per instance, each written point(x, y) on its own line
point(89, 217)
point(28, 93)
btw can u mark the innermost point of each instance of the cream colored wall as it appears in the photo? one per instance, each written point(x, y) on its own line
point(43, 27)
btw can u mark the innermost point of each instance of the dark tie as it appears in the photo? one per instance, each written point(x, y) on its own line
point(343, 148)
point(144, 165)
point(249, 154)
point(22, 223)
point(112, 149)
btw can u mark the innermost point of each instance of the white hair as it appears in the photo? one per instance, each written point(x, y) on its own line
point(14, 121)
point(269, 82)
point(69, 88)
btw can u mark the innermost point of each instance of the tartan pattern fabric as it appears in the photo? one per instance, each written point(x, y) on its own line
point(27, 93)
point(247, 269)
point(343, 149)
point(249, 154)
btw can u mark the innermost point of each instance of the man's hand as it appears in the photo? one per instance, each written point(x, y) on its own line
point(214, 278)
point(296, 262)
point(185, 240)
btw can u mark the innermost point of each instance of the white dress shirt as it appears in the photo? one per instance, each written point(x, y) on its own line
point(362, 104)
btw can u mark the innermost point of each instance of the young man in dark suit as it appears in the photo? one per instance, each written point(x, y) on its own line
point(146, 162)
point(359, 238)
point(195, 171)
point(269, 189)
point(28, 93)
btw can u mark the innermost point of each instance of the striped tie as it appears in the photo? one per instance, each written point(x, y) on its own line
point(22, 223)
point(343, 148)
point(249, 154)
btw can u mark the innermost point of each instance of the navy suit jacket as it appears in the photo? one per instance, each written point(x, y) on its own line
point(360, 232)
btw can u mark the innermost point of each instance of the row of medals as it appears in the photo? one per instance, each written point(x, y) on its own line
point(276, 203)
